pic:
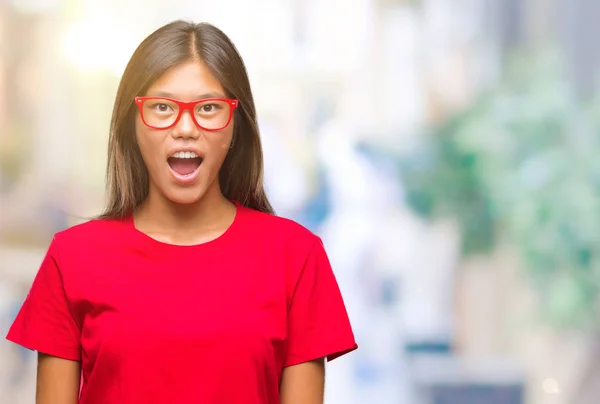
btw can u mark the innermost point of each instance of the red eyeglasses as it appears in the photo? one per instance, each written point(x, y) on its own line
point(210, 114)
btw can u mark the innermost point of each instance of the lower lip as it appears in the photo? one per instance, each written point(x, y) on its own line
point(186, 179)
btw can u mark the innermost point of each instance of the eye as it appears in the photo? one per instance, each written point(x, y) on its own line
point(208, 108)
point(162, 107)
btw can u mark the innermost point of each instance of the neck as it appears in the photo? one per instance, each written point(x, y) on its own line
point(175, 223)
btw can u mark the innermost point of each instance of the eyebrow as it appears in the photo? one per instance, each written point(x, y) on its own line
point(198, 97)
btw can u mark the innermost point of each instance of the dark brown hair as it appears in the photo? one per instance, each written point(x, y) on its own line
point(241, 176)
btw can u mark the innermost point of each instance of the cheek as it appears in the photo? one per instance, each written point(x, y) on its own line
point(149, 147)
point(221, 145)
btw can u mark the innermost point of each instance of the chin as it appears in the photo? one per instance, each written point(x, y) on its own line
point(185, 197)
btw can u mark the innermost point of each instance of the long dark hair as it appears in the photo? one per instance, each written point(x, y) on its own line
point(241, 176)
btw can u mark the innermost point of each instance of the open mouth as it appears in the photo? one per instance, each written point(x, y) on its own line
point(184, 164)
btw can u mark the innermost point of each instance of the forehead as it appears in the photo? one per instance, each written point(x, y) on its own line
point(187, 81)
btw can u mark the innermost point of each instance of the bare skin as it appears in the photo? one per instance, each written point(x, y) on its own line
point(191, 213)
point(303, 383)
point(57, 380)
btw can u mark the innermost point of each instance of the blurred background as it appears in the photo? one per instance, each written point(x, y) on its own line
point(445, 151)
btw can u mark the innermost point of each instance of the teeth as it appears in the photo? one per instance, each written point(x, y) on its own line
point(185, 155)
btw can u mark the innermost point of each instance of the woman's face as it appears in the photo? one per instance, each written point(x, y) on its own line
point(183, 160)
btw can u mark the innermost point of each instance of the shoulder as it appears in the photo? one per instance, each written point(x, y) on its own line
point(279, 230)
point(89, 233)
point(77, 251)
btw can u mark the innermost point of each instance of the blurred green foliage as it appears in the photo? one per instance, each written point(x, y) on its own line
point(523, 164)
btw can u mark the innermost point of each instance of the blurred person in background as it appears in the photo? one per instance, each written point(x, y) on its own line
point(187, 288)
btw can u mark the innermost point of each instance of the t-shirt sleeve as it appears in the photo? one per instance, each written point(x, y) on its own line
point(318, 323)
point(44, 322)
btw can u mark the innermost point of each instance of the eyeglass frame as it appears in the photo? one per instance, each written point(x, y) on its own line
point(189, 106)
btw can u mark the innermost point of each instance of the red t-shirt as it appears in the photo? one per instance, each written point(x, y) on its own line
point(158, 323)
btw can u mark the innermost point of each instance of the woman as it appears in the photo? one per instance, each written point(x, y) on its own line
point(187, 289)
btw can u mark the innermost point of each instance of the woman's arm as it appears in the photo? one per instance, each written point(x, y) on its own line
point(303, 383)
point(58, 380)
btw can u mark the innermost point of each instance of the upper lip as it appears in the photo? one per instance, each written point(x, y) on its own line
point(186, 149)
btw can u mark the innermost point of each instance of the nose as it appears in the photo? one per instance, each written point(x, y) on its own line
point(185, 127)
